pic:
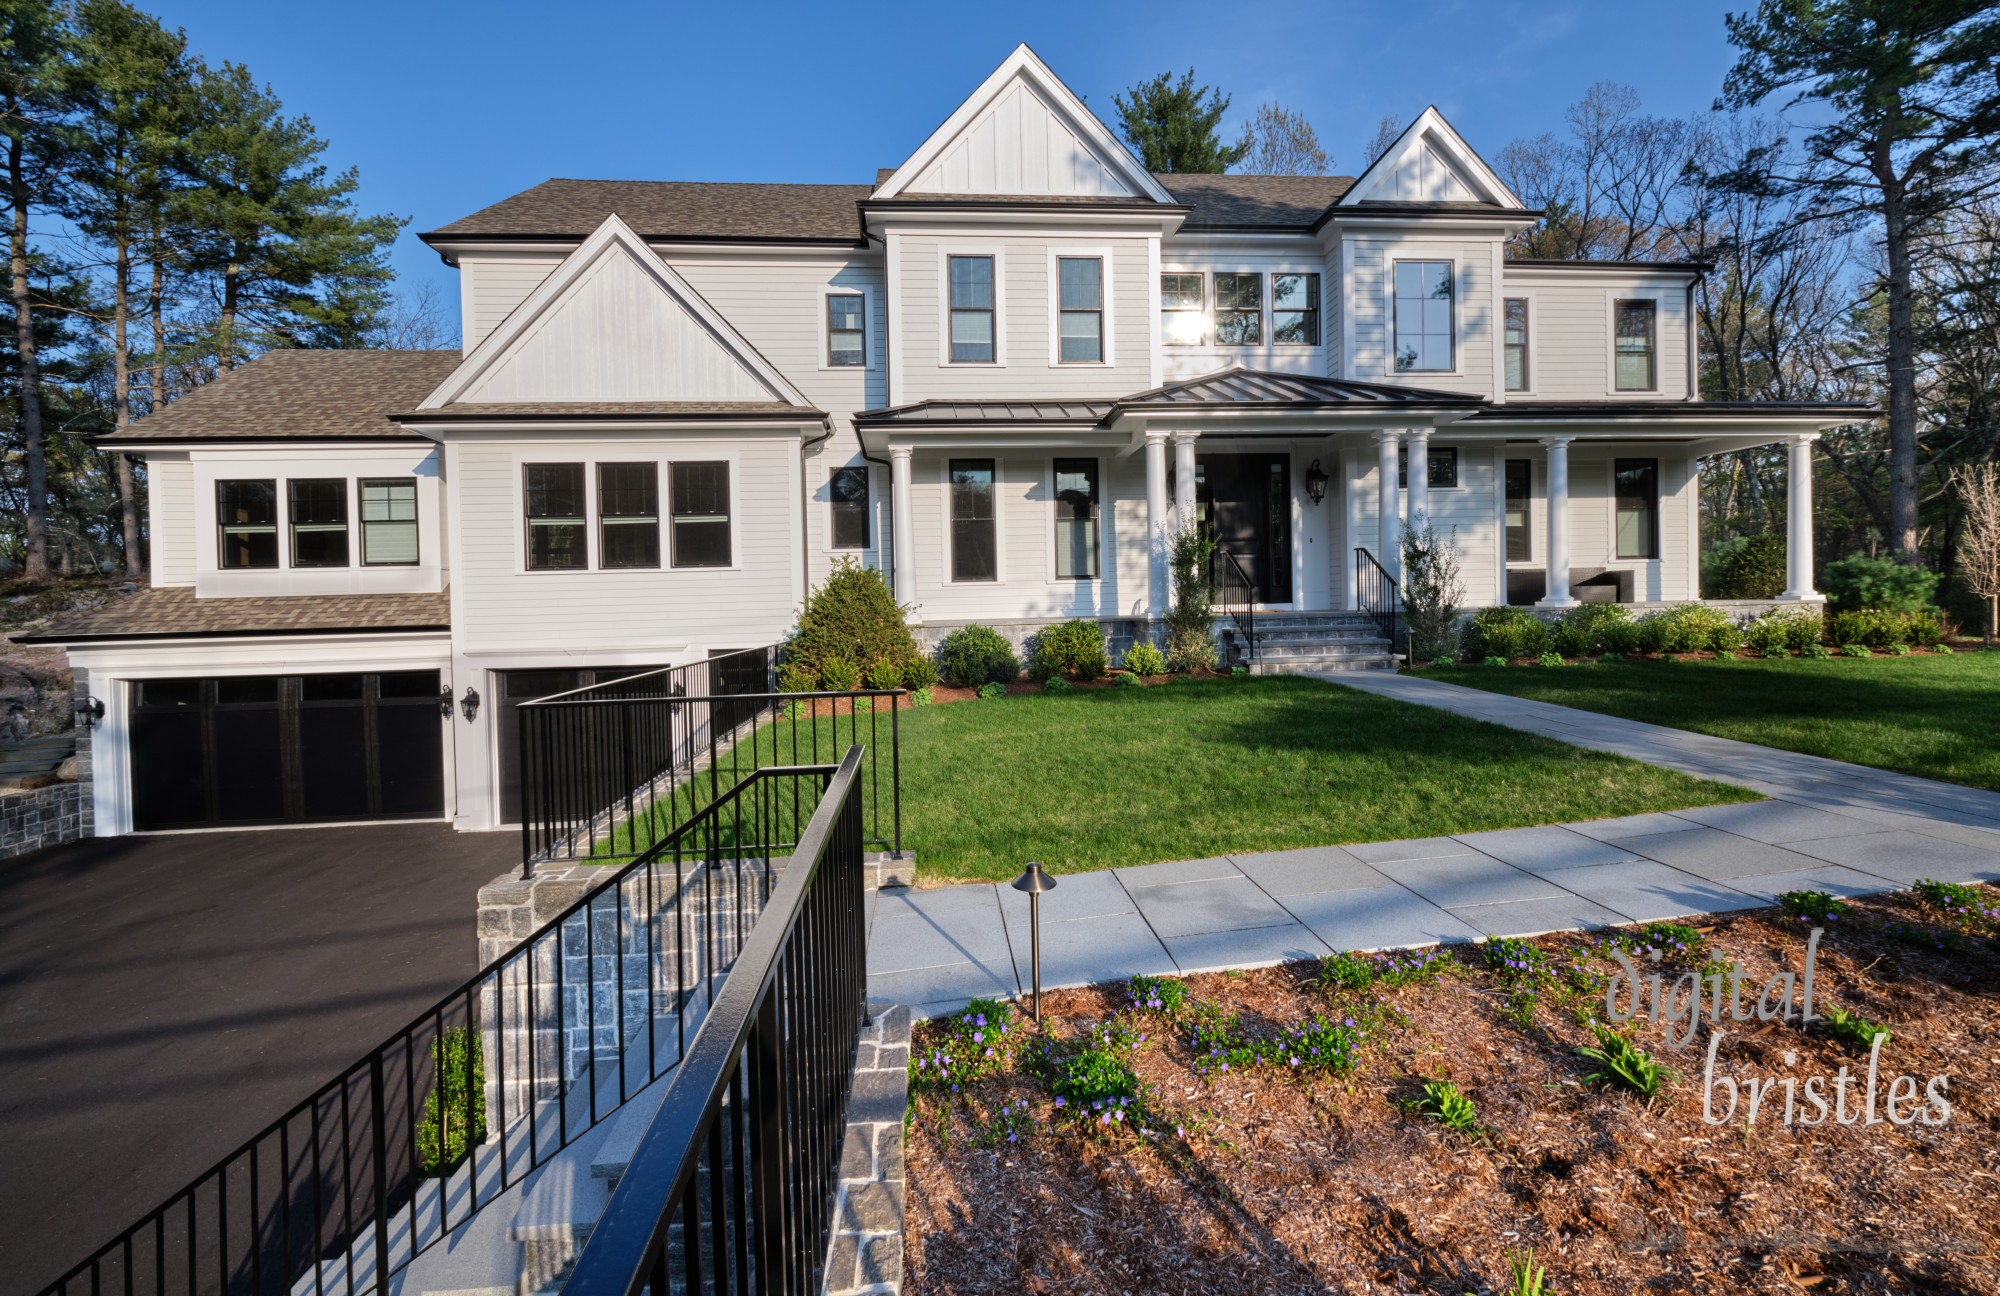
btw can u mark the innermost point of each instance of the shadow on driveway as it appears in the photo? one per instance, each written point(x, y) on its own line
point(162, 999)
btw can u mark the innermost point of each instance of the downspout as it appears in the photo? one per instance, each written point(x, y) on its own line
point(1687, 323)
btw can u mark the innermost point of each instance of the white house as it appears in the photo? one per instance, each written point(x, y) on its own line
point(1000, 372)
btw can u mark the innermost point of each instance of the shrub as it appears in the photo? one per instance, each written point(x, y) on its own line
point(920, 696)
point(974, 655)
point(1856, 650)
point(853, 616)
point(1883, 629)
point(1056, 684)
point(1899, 650)
point(1549, 659)
point(1816, 652)
point(1506, 632)
point(975, 1042)
point(454, 1116)
point(1239, 672)
point(1593, 628)
point(1143, 658)
point(1882, 583)
point(1727, 638)
point(1125, 679)
point(919, 673)
point(1784, 630)
point(1494, 660)
point(1432, 592)
point(1944, 649)
point(1612, 658)
point(797, 679)
point(1813, 906)
point(1093, 1079)
point(838, 675)
point(1072, 648)
point(1748, 567)
point(1691, 627)
point(1191, 619)
point(884, 675)
point(993, 690)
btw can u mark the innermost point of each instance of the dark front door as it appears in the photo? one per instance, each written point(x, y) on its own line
point(1246, 500)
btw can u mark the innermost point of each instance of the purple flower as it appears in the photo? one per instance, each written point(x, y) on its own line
point(1060, 1101)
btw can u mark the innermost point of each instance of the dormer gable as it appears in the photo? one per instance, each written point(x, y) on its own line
point(614, 323)
point(1430, 163)
point(1023, 133)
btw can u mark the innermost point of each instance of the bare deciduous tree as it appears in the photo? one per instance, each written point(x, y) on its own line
point(1978, 488)
point(417, 320)
point(1278, 141)
point(1386, 132)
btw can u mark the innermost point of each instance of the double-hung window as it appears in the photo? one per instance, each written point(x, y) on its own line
point(700, 501)
point(1080, 313)
point(628, 515)
point(1295, 309)
point(555, 510)
point(389, 521)
point(1633, 346)
point(1515, 341)
point(319, 521)
point(1637, 487)
point(975, 554)
point(1239, 309)
point(847, 492)
point(246, 517)
point(1076, 519)
point(846, 330)
point(1423, 317)
point(1181, 320)
point(972, 313)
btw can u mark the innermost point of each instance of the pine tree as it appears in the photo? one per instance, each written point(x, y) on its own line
point(1173, 125)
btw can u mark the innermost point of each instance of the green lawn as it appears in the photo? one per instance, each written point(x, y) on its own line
point(1096, 778)
point(1930, 715)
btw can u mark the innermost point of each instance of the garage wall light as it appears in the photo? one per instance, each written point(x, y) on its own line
point(444, 702)
point(88, 711)
point(469, 703)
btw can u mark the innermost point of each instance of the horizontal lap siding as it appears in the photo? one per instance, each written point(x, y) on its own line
point(494, 288)
point(1368, 297)
point(1467, 516)
point(1569, 333)
point(1593, 540)
point(170, 509)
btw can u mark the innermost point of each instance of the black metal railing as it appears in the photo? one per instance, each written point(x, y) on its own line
point(608, 770)
point(731, 1189)
point(1376, 594)
point(1245, 618)
point(408, 1143)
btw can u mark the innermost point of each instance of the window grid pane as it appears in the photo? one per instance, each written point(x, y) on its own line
point(1295, 309)
point(554, 507)
point(847, 490)
point(1638, 504)
point(389, 522)
point(1634, 346)
point(700, 502)
point(628, 515)
point(974, 554)
point(845, 340)
point(1239, 309)
point(971, 309)
point(319, 521)
point(1181, 319)
point(1076, 519)
point(246, 514)
point(1423, 317)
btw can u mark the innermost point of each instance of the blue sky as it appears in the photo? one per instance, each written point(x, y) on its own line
point(448, 107)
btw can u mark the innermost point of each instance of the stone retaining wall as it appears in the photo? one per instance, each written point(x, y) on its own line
point(42, 817)
point(865, 1252)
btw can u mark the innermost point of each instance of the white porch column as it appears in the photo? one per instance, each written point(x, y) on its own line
point(1420, 478)
point(1184, 478)
point(1558, 594)
point(1799, 510)
point(1156, 524)
point(1389, 525)
point(904, 524)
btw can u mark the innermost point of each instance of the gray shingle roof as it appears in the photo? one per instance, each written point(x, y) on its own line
point(696, 209)
point(472, 410)
point(1282, 201)
point(300, 395)
point(176, 612)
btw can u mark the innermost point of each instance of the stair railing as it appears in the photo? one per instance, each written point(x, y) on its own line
point(1376, 593)
point(1246, 620)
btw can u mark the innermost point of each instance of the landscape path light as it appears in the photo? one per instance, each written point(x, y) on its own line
point(1034, 882)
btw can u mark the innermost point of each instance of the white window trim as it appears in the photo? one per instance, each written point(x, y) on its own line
point(869, 359)
point(1391, 257)
point(1204, 312)
point(1049, 523)
point(1459, 447)
point(1612, 297)
point(1271, 311)
point(946, 251)
point(592, 519)
point(1661, 497)
point(999, 520)
point(284, 523)
point(1500, 343)
point(874, 525)
point(1537, 498)
point(1058, 254)
point(1210, 296)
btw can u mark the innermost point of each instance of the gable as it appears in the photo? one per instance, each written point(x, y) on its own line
point(1430, 163)
point(1423, 176)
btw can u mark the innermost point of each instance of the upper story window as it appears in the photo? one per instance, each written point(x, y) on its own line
point(389, 521)
point(847, 491)
point(700, 501)
point(972, 333)
point(1181, 320)
point(1239, 309)
point(1424, 340)
point(1295, 309)
point(555, 511)
point(1515, 339)
point(319, 521)
point(246, 516)
point(628, 515)
point(1076, 519)
point(1080, 315)
point(846, 330)
point(1633, 348)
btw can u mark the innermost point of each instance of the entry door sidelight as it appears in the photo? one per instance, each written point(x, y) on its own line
point(1247, 499)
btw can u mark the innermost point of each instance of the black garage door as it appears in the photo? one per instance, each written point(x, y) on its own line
point(286, 749)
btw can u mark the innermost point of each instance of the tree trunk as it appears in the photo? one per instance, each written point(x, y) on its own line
point(1902, 356)
point(225, 347)
point(156, 312)
point(121, 399)
point(36, 566)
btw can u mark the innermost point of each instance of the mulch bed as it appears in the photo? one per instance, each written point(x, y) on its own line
point(1260, 1180)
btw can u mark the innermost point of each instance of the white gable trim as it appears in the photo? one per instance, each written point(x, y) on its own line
point(614, 237)
point(1023, 65)
point(1430, 130)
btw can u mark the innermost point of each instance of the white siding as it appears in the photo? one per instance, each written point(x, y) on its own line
point(1569, 332)
point(491, 289)
point(1019, 145)
point(1369, 298)
point(1675, 574)
point(170, 518)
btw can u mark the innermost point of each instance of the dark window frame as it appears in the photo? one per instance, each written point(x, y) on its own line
point(1064, 311)
point(1198, 312)
point(1238, 312)
point(1509, 347)
point(1396, 300)
point(343, 526)
point(1650, 308)
point(577, 523)
point(676, 490)
point(991, 310)
point(1308, 314)
point(956, 525)
point(413, 521)
point(224, 529)
point(859, 333)
point(849, 508)
point(609, 522)
point(1526, 531)
point(1433, 455)
point(1649, 504)
point(1092, 515)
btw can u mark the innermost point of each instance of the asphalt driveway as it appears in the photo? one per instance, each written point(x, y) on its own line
point(164, 998)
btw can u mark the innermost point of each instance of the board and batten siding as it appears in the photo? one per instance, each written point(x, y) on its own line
point(1569, 332)
point(170, 517)
point(1368, 298)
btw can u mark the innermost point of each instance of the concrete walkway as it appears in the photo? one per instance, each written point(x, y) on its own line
point(1830, 827)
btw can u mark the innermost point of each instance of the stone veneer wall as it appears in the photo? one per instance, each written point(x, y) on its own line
point(865, 1251)
point(43, 817)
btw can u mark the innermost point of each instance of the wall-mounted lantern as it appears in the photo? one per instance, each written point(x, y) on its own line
point(1316, 483)
point(88, 711)
point(470, 703)
point(444, 702)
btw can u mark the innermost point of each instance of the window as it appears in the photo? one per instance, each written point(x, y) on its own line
point(1423, 317)
point(246, 514)
point(628, 515)
point(1076, 519)
point(1637, 486)
point(1633, 347)
point(1239, 309)
point(1516, 342)
point(1443, 467)
point(974, 553)
point(846, 329)
point(971, 309)
point(1295, 309)
point(1181, 322)
point(389, 521)
point(847, 490)
point(1080, 317)
point(555, 516)
point(319, 521)
point(701, 514)
point(1520, 492)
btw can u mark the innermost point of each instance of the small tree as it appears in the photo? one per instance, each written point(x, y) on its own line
point(853, 618)
point(1432, 592)
point(1191, 621)
point(1172, 125)
point(1979, 547)
point(1279, 141)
